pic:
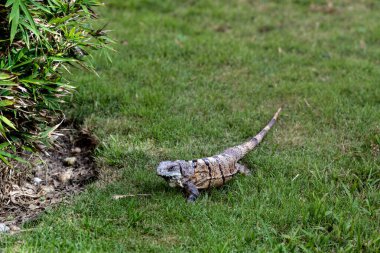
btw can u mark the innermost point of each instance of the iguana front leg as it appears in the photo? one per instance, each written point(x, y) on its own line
point(191, 191)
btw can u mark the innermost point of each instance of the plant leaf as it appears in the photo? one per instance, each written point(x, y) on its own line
point(14, 18)
point(29, 18)
point(15, 157)
point(7, 121)
point(5, 103)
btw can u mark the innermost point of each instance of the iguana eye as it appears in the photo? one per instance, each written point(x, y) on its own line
point(171, 169)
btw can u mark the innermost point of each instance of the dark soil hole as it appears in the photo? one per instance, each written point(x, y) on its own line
point(60, 171)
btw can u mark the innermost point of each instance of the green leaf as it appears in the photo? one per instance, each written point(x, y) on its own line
point(57, 21)
point(85, 9)
point(39, 6)
point(7, 83)
point(4, 75)
point(32, 80)
point(14, 18)
point(7, 121)
point(17, 158)
point(4, 145)
point(23, 63)
point(9, 3)
point(2, 129)
point(4, 160)
point(5, 103)
point(30, 19)
point(61, 59)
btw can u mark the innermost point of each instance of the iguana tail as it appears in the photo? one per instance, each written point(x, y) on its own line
point(240, 151)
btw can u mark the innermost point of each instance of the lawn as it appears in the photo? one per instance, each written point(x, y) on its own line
point(193, 78)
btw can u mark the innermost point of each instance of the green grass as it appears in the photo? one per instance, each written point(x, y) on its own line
point(194, 78)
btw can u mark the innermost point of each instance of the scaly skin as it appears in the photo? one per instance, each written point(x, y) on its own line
point(212, 171)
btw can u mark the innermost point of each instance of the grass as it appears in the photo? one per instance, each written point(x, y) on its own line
point(190, 79)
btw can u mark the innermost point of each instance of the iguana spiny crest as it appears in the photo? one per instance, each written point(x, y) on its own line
point(211, 171)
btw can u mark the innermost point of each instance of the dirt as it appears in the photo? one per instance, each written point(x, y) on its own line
point(58, 172)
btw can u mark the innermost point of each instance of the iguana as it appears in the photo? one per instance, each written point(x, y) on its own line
point(211, 171)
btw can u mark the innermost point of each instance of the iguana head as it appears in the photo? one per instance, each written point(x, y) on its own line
point(171, 172)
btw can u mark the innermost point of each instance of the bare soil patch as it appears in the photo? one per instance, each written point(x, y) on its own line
point(58, 172)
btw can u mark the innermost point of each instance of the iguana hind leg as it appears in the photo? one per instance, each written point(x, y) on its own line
point(191, 191)
point(243, 169)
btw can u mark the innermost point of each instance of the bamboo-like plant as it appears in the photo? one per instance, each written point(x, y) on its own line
point(38, 40)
